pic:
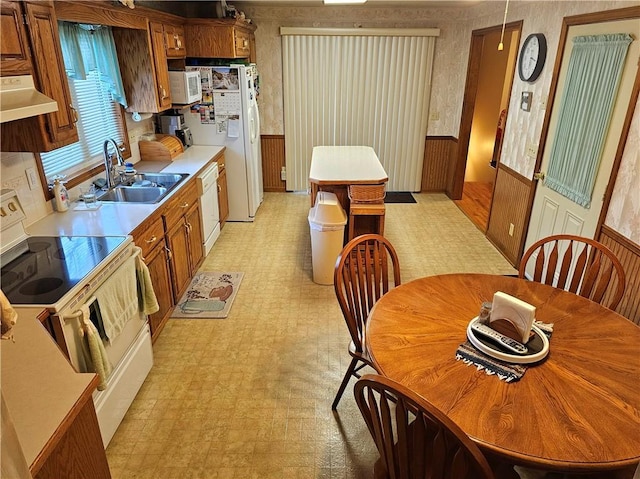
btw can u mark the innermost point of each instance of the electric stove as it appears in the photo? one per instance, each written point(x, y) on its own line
point(40, 270)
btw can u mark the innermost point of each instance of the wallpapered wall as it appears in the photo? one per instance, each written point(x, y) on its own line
point(449, 74)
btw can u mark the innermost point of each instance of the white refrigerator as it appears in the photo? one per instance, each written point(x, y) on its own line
point(228, 115)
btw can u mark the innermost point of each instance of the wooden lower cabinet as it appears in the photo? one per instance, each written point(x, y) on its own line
point(223, 196)
point(178, 240)
point(150, 238)
point(184, 237)
point(194, 227)
point(172, 248)
point(80, 453)
point(158, 263)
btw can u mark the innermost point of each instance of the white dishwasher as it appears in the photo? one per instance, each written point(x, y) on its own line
point(208, 191)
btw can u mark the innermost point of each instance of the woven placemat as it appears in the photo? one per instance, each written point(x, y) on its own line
point(503, 370)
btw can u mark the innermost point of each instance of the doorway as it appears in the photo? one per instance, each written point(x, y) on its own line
point(484, 115)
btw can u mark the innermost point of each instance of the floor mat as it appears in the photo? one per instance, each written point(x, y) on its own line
point(399, 197)
point(209, 296)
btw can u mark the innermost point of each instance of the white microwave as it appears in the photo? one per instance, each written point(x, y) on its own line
point(185, 87)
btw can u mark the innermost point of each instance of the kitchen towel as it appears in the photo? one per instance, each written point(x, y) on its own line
point(147, 301)
point(8, 317)
point(94, 350)
point(118, 298)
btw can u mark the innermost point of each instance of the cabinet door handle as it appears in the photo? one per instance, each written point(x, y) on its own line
point(219, 188)
point(169, 253)
point(151, 240)
point(184, 205)
point(75, 113)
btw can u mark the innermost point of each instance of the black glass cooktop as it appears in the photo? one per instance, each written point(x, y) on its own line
point(42, 269)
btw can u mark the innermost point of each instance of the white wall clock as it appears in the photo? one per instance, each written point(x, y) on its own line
point(532, 57)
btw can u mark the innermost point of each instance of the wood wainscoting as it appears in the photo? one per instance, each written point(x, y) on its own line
point(509, 206)
point(439, 158)
point(629, 255)
point(273, 161)
point(439, 154)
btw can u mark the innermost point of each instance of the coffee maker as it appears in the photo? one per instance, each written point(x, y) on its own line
point(170, 123)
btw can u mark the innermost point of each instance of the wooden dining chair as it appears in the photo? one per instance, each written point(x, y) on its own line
point(580, 265)
point(365, 270)
point(414, 438)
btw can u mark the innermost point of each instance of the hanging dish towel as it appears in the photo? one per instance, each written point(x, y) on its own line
point(8, 317)
point(147, 301)
point(118, 299)
point(94, 350)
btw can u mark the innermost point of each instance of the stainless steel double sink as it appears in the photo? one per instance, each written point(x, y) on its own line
point(143, 188)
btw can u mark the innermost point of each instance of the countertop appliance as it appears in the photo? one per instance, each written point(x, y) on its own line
point(185, 136)
point(62, 274)
point(185, 87)
point(228, 115)
point(208, 189)
point(169, 123)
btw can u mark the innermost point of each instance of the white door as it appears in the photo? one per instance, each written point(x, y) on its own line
point(552, 213)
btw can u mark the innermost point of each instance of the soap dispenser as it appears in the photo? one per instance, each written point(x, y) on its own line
point(60, 195)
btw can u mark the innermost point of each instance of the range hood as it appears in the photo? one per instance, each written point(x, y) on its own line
point(20, 99)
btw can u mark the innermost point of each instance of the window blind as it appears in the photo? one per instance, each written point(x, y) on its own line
point(366, 87)
point(99, 118)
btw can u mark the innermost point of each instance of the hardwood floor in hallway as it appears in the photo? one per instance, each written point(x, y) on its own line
point(475, 202)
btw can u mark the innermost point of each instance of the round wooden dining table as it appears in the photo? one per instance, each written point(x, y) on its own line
point(577, 410)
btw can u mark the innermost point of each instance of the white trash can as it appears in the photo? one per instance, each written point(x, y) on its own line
point(326, 221)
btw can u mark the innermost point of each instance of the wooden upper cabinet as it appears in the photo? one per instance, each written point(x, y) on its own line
point(14, 53)
point(218, 38)
point(39, 40)
point(160, 63)
point(174, 41)
point(143, 66)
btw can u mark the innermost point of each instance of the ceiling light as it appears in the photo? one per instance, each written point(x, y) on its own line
point(342, 2)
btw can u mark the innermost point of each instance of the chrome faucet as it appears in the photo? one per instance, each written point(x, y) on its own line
point(109, 167)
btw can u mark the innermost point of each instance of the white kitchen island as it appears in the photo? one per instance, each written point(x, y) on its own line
point(334, 168)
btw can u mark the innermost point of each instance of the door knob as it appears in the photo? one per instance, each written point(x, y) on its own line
point(539, 176)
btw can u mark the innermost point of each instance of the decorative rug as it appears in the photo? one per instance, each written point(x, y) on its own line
point(399, 197)
point(209, 296)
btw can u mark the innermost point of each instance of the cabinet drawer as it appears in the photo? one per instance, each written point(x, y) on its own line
point(180, 204)
point(150, 236)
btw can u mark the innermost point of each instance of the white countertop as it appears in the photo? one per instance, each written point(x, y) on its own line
point(116, 219)
point(39, 385)
point(346, 165)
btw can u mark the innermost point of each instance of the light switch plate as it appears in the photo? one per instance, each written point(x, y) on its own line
point(32, 178)
point(525, 101)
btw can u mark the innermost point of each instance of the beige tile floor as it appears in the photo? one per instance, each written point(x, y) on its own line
point(250, 396)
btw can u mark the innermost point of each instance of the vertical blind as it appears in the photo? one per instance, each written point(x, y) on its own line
point(366, 87)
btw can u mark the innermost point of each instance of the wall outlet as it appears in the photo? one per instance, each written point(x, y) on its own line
point(32, 178)
point(283, 174)
point(511, 228)
point(434, 116)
